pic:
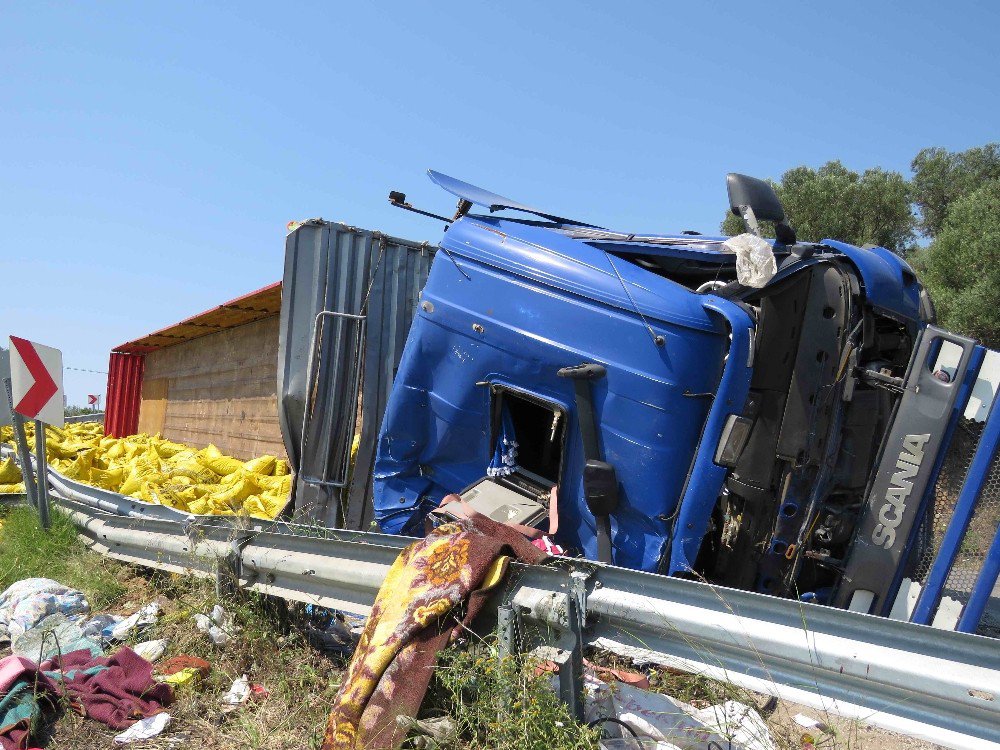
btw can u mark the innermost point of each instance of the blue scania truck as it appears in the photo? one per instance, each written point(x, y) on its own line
point(781, 437)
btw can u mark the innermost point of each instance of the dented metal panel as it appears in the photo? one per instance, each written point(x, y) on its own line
point(336, 268)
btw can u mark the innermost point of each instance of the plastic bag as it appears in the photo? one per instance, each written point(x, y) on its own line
point(755, 263)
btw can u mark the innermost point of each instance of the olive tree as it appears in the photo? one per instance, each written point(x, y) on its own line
point(961, 267)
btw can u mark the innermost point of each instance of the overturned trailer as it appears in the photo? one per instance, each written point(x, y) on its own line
point(782, 437)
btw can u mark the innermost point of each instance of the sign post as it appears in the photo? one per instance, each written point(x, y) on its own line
point(17, 422)
point(42, 474)
point(37, 393)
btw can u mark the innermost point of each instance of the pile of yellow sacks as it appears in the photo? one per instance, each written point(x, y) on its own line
point(150, 468)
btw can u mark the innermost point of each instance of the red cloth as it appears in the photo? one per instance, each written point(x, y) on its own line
point(116, 696)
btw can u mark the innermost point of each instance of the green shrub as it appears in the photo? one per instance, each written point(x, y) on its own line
point(961, 268)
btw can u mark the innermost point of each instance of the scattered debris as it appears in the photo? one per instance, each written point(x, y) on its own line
point(59, 656)
point(145, 729)
point(152, 650)
point(219, 627)
point(146, 616)
point(99, 627)
point(238, 694)
point(335, 633)
point(181, 677)
point(653, 716)
point(176, 664)
point(431, 733)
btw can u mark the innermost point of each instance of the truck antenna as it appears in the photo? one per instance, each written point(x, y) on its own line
point(657, 338)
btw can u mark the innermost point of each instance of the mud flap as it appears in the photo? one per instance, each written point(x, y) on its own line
point(904, 474)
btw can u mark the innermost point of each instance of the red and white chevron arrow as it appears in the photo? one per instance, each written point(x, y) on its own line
point(36, 376)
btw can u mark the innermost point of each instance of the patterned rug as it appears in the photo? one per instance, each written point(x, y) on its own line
point(417, 611)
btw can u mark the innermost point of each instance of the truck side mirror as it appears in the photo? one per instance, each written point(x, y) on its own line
point(754, 200)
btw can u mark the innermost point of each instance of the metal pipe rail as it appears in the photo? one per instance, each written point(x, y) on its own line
point(939, 685)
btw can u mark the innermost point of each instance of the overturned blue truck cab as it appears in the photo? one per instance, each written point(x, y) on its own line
point(691, 424)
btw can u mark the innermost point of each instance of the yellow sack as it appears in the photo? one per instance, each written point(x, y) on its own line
point(265, 505)
point(221, 465)
point(141, 469)
point(166, 448)
point(210, 451)
point(194, 470)
point(200, 490)
point(12, 489)
point(256, 507)
point(56, 450)
point(263, 465)
point(230, 479)
point(166, 495)
point(110, 479)
point(281, 468)
point(234, 496)
point(9, 472)
point(280, 485)
point(182, 457)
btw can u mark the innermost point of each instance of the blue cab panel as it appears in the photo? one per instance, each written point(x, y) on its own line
point(509, 302)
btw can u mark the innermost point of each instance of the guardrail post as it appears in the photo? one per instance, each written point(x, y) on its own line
point(228, 567)
point(566, 613)
point(507, 630)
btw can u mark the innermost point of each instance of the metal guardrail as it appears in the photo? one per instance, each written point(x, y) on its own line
point(95, 417)
point(938, 685)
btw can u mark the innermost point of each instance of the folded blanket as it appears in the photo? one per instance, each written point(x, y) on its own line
point(412, 620)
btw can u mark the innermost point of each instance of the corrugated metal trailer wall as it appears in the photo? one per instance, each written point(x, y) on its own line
point(348, 298)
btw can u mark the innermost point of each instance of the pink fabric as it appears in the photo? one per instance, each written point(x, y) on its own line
point(11, 670)
point(15, 670)
point(546, 545)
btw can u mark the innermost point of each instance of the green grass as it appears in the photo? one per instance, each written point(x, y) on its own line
point(499, 703)
point(28, 551)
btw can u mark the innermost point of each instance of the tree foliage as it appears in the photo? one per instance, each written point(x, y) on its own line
point(835, 202)
point(941, 177)
point(961, 267)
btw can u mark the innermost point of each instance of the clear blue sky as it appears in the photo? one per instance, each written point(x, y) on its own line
point(152, 153)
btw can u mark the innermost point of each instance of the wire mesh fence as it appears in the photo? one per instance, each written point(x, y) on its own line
point(979, 535)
